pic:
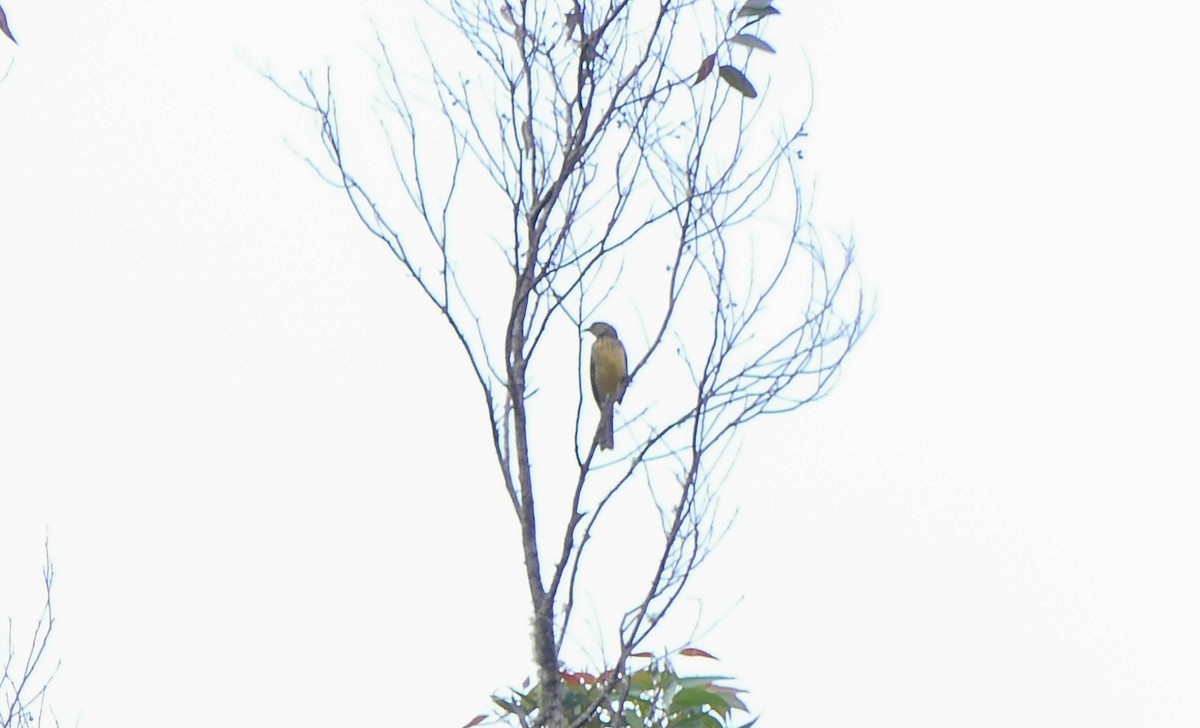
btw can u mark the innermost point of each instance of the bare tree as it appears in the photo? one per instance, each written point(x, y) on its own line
point(25, 677)
point(577, 157)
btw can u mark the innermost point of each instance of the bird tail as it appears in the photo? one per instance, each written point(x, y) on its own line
point(606, 428)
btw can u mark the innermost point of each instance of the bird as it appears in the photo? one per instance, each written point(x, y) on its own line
point(610, 377)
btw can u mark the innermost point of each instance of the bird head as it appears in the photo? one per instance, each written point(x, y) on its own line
point(601, 329)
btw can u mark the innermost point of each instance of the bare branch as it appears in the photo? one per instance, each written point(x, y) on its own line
point(23, 683)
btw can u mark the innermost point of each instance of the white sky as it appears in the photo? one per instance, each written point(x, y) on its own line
point(262, 507)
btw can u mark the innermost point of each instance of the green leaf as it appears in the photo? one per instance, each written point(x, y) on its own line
point(738, 81)
point(641, 681)
point(642, 705)
point(757, 13)
point(701, 680)
point(633, 720)
point(730, 695)
point(697, 697)
point(752, 41)
point(695, 721)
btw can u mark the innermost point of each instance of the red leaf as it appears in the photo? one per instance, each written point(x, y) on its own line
point(642, 654)
point(706, 67)
point(695, 652)
point(575, 678)
point(475, 721)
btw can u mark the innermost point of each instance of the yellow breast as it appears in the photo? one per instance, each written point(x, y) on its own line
point(608, 368)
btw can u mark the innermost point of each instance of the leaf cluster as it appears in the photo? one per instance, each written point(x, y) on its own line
point(755, 11)
point(655, 696)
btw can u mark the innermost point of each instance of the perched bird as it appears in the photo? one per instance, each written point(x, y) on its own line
point(610, 377)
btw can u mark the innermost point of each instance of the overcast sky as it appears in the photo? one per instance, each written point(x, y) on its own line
point(264, 509)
